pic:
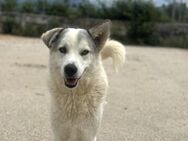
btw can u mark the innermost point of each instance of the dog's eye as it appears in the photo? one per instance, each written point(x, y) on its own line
point(84, 52)
point(63, 50)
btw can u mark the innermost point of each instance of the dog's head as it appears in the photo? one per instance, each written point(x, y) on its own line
point(74, 50)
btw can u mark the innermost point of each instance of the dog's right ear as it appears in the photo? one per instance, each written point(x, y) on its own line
point(50, 36)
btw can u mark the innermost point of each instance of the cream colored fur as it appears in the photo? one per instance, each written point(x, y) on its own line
point(116, 51)
point(76, 113)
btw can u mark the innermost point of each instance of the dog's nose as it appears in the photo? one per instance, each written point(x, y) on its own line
point(70, 70)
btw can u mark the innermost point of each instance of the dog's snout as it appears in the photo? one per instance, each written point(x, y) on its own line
point(70, 70)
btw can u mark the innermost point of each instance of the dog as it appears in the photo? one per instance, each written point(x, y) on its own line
point(78, 82)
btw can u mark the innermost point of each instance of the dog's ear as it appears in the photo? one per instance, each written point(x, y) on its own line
point(50, 36)
point(100, 33)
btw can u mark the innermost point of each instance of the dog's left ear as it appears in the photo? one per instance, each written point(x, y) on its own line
point(50, 36)
point(100, 33)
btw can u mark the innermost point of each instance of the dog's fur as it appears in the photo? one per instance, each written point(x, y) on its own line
point(76, 111)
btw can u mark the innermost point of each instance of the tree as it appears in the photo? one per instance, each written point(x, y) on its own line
point(8, 5)
point(143, 18)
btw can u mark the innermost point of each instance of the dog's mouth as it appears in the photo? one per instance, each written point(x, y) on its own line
point(71, 82)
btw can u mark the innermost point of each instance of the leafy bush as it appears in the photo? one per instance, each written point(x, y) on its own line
point(88, 10)
point(141, 17)
point(27, 7)
point(177, 41)
point(57, 9)
point(8, 25)
point(141, 29)
point(8, 5)
point(33, 29)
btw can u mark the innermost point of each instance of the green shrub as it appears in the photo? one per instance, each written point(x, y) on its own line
point(11, 26)
point(34, 29)
point(177, 41)
point(8, 5)
point(54, 23)
point(141, 28)
point(58, 9)
point(27, 7)
point(8, 25)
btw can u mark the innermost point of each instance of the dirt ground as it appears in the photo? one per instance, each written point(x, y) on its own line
point(147, 100)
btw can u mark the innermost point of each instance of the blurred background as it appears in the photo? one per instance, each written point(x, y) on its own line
point(138, 22)
point(147, 99)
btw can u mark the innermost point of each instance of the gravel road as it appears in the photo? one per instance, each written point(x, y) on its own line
point(147, 100)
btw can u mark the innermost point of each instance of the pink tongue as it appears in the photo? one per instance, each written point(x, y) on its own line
point(71, 81)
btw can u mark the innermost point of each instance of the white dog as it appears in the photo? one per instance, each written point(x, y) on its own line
point(78, 82)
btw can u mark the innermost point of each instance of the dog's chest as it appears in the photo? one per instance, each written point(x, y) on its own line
point(79, 104)
point(77, 107)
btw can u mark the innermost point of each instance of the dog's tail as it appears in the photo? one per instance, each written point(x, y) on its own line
point(116, 51)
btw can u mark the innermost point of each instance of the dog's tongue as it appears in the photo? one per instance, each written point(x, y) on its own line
point(71, 82)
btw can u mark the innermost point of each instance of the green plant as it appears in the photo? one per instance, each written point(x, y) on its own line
point(34, 29)
point(8, 25)
point(8, 5)
point(141, 29)
point(58, 9)
point(27, 7)
point(177, 41)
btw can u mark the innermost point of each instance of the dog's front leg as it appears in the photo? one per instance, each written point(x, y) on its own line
point(60, 130)
point(85, 136)
point(87, 130)
point(60, 135)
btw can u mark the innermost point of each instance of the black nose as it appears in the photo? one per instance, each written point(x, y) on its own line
point(70, 70)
